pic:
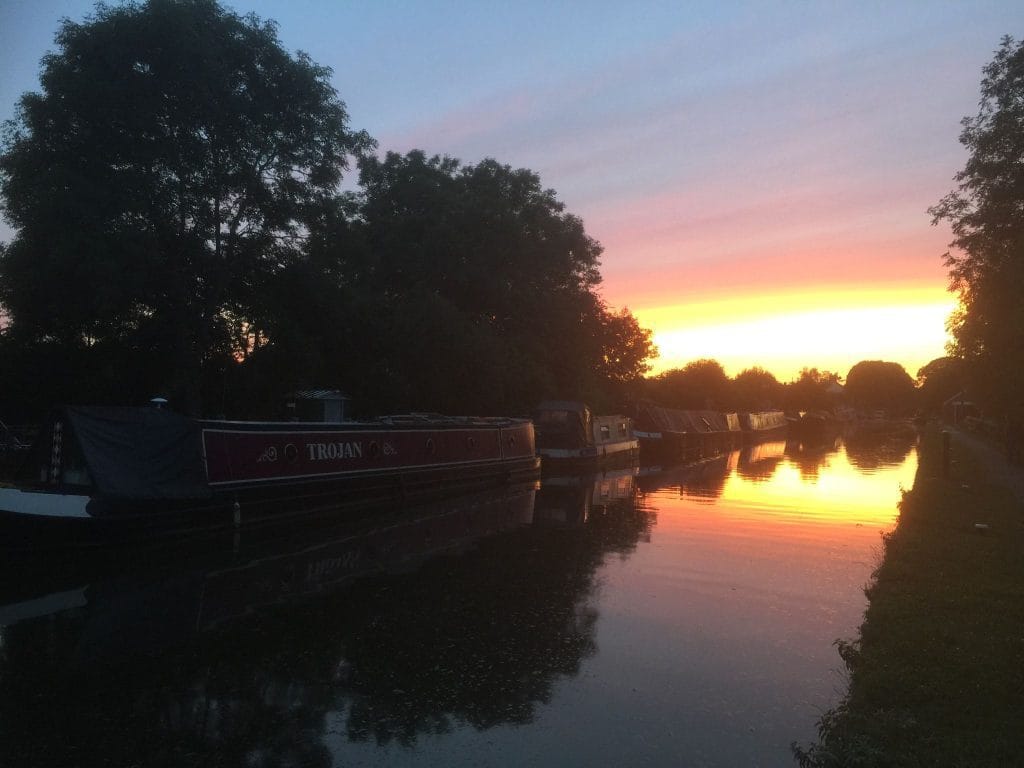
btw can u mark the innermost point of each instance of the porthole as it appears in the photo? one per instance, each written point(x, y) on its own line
point(430, 446)
point(374, 449)
point(471, 443)
point(291, 453)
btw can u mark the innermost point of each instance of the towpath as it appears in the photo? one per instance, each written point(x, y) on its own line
point(1000, 471)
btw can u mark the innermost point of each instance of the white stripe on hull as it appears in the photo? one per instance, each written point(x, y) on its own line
point(43, 504)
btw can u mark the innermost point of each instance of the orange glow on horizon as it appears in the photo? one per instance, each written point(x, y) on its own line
point(828, 329)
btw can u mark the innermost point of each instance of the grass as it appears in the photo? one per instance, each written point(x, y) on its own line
point(937, 674)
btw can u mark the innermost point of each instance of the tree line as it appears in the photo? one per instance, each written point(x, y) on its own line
point(870, 385)
point(181, 230)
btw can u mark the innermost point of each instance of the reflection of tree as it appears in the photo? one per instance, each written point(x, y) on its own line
point(475, 637)
point(469, 638)
point(810, 458)
point(869, 451)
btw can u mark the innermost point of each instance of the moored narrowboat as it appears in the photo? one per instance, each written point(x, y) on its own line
point(670, 436)
point(101, 474)
point(568, 434)
point(764, 425)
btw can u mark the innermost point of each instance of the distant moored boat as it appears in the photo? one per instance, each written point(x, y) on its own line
point(569, 434)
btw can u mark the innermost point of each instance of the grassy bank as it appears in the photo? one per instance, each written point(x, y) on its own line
point(937, 674)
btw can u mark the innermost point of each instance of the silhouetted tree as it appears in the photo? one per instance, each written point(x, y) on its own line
point(810, 391)
point(697, 385)
point(755, 389)
point(938, 381)
point(478, 268)
point(880, 385)
point(986, 213)
point(186, 156)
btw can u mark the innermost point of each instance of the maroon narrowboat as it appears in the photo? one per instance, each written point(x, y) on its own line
point(97, 474)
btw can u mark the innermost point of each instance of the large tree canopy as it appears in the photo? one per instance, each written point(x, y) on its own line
point(986, 213)
point(174, 162)
point(876, 384)
point(479, 268)
point(697, 385)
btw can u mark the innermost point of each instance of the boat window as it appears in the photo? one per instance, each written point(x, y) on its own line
point(622, 428)
point(606, 433)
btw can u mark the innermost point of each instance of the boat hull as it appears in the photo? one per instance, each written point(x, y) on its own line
point(131, 522)
point(619, 454)
point(277, 473)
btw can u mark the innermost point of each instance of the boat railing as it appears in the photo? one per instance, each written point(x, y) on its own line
point(432, 419)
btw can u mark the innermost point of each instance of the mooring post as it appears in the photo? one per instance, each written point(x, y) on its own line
point(945, 453)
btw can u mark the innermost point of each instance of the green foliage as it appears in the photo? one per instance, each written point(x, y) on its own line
point(986, 214)
point(478, 269)
point(755, 389)
point(876, 384)
point(697, 385)
point(185, 154)
point(809, 391)
point(938, 381)
point(206, 253)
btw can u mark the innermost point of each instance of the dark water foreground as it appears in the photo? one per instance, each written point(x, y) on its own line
point(667, 618)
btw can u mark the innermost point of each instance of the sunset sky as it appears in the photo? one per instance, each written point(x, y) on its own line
point(758, 173)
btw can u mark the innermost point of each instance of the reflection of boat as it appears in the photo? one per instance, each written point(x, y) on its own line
point(194, 589)
point(671, 436)
point(101, 474)
point(279, 657)
point(760, 460)
point(703, 480)
point(569, 435)
point(567, 499)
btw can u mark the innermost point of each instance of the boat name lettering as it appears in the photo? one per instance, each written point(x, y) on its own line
point(338, 450)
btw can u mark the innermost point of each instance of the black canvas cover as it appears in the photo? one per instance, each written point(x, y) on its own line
point(140, 453)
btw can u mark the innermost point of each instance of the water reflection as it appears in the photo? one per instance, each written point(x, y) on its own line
point(759, 461)
point(396, 628)
point(567, 499)
point(702, 482)
point(872, 450)
point(667, 616)
point(812, 457)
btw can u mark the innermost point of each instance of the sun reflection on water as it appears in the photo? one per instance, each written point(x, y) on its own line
point(779, 484)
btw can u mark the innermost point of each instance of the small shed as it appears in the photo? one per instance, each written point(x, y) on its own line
point(958, 408)
point(322, 405)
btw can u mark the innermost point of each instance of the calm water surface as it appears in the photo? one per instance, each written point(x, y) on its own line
point(678, 617)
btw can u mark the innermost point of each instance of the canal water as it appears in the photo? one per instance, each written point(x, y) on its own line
point(657, 617)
